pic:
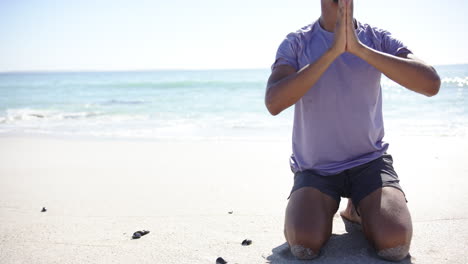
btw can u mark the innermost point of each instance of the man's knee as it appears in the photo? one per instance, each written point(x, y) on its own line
point(394, 254)
point(306, 244)
point(393, 243)
point(303, 252)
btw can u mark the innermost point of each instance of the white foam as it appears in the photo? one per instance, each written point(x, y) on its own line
point(459, 81)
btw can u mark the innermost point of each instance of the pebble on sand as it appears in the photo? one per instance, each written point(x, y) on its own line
point(44, 209)
point(246, 242)
point(139, 234)
point(220, 260)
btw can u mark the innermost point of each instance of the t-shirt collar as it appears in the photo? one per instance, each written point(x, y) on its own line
point(331, 34)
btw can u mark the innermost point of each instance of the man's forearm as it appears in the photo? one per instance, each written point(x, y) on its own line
point(288, 91)
point(410, 73)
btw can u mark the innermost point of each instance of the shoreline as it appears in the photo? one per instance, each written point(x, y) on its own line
point(389, 137)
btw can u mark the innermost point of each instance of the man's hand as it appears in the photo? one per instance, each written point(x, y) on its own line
point(352, 42)
point(346, 39)
point(339, 45)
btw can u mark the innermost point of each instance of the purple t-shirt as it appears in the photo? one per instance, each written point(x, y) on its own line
point(338, 123)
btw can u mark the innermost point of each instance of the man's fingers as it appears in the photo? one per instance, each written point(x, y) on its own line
point(339, 44)
point(341, 16)
point(352, 40)
point(341, 3)
point(350, 13)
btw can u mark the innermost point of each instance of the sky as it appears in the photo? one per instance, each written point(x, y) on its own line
point(46, 35)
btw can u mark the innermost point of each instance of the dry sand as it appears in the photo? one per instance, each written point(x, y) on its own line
point(98, 193)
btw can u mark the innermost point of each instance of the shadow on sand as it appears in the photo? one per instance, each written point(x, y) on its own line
point(342, 248)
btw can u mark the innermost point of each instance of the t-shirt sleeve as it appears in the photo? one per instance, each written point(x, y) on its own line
point(392, 45)
point(287, 52)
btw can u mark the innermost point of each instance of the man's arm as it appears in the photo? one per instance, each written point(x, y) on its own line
point(406, 69)
point(285, 87)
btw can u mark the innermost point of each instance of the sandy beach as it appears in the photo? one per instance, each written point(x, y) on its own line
point(98, 192)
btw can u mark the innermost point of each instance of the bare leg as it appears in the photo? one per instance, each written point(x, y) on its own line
point(308, 221)
point(386, 222)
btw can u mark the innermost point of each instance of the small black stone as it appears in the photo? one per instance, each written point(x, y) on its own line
point(220, 260)
point(139, 234)
point(230, 212)
point(44, 209)
point(246, 242)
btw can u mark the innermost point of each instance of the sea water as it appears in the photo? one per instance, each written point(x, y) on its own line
point(201, 104)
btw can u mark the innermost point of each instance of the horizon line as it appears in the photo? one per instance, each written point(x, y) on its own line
point(161, 69)
point(131, 70)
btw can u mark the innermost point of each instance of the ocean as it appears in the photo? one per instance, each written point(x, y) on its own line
point(198, 105)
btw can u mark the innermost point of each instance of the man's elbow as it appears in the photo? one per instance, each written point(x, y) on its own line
point(273, 110)
point(271, 105)
point(433, 87)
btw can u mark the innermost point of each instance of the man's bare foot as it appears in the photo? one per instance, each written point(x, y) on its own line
point(350, 213)
point(350, 218)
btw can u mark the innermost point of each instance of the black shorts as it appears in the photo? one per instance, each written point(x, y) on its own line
point(355, 183)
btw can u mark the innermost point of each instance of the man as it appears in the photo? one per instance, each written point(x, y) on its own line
point(330, 70)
